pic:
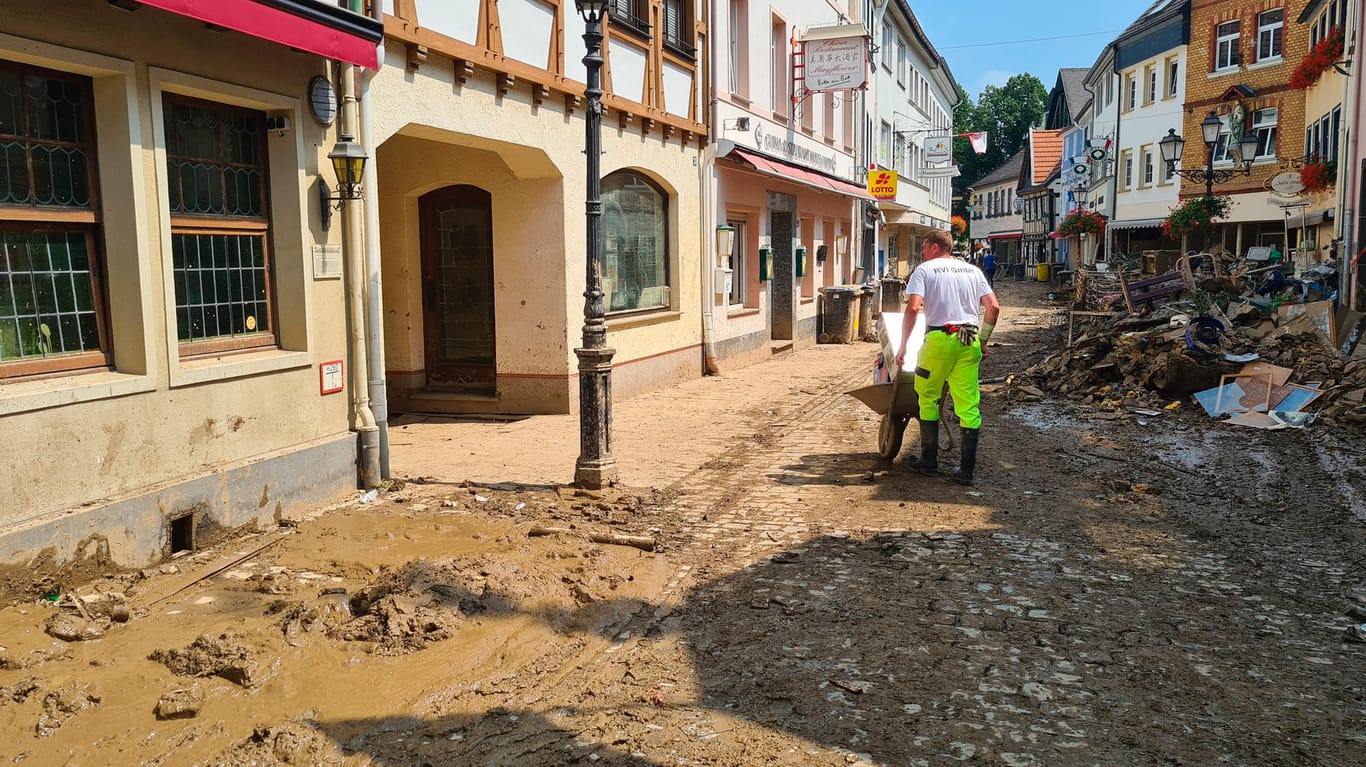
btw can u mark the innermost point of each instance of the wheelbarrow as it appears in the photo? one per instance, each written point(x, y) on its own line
point(895, 400)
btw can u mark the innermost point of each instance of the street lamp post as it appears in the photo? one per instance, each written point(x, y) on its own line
point(1172, 144)
point(596, 467)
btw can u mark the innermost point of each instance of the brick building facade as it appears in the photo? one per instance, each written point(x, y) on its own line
point(1240, 58)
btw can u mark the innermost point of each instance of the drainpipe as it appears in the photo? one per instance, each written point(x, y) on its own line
point(1349, 175)
point(352, 244)
point(704, 175)
point(374, 315)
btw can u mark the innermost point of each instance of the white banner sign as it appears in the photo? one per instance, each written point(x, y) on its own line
point(946, 171)
point(938, 148)
point(836, 64)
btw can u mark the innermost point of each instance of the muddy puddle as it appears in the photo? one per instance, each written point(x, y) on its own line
point(347, 617)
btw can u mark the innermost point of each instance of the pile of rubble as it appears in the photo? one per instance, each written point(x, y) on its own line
point(1253, 361)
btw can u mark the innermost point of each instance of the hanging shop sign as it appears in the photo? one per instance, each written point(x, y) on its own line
point(882, 184)
point(835, 58)
point(1286, 184)
point(938, 148)
point(940, 171)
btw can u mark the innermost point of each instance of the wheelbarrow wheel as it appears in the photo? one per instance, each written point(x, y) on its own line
point(890, 433)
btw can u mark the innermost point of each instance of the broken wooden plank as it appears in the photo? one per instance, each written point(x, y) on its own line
point(642, 542)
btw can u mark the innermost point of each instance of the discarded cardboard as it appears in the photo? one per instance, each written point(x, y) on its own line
point(1319, 313)
point(1279, 375)
point(1351, 327)
point(1256, 421)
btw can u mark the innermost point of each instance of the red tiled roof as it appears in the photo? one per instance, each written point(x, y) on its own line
point(1045, 153)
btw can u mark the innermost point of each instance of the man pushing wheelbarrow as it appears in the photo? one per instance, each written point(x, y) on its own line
point(941, 331)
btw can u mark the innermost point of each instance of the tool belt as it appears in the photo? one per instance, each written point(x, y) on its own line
point(966, 333)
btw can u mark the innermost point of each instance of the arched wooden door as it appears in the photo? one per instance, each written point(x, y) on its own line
point(458, 289)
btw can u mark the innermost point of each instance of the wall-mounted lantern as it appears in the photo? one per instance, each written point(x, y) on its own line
point(765, 263)
point(820, 253)
point(799, 256)
point(348, 162)
point(725, 242)
point(841, 247)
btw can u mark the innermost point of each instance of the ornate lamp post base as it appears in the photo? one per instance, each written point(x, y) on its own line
point(596, 468)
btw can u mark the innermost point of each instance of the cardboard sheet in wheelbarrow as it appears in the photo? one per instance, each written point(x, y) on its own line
point(879, 395)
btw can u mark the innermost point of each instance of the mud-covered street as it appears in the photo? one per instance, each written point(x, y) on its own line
point(763, 589)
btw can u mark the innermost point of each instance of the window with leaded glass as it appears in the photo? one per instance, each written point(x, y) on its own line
point(635, 243)
point(51, 299)
point(220, 225)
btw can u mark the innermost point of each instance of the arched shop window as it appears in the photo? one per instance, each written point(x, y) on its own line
point(635, 243)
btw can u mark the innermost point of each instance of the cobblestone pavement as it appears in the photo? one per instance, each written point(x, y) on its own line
point(1084, 604)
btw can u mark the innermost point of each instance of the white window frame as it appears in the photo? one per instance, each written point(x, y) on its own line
point(1152, 85)
point(1227, 55)
point(1173, 79)
point(1264, 123)
point(1148, 177)
point(1128, 169)
point(736, 261)
point(779, 77)
point(901, 62)
point(1270, 34)
point(1131, 98)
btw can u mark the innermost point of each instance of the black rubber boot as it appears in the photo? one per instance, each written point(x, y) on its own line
point(928, 462)
point(967, 457)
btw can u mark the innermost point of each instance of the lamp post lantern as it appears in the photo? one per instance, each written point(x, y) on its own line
point(1172, 144)
point(596, 467)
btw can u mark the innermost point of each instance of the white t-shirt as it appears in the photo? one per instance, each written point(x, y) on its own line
point(952, 290)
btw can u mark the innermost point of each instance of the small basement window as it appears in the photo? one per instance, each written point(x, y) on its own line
point(182, 534)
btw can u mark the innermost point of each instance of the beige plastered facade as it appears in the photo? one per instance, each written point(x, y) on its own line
point(527, 152)
point(99, 463)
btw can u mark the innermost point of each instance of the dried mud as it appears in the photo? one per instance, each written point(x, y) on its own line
point(1114, 590)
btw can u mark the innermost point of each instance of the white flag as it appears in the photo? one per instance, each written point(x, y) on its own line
point(978, 141)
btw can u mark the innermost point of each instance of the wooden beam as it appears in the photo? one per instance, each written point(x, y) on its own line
point(417, 56)
point(538, 93)
point(463, 71)
point(505, 82)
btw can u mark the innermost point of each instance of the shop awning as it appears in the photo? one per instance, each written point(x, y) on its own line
point(309, 25)
point(797, 174)
point(1310, 219)
point(1005, 236)
point(1137, 223)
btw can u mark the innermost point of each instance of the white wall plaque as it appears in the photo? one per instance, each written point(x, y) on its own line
point(327, 262)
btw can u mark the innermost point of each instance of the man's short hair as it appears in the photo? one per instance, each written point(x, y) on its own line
point(940, 236)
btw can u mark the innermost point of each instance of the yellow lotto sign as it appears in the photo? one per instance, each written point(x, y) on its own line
point(882, 184)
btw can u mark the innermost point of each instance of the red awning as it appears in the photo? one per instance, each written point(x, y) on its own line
point(1012, 236)
point(316, 28)
point(797, 174)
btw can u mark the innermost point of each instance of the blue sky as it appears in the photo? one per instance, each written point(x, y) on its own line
point(979, 39)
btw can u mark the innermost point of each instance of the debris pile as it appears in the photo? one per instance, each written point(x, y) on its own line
point(226, 655)
point(1255, 361)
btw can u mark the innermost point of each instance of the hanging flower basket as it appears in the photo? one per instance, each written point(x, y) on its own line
point(1192, 216)
point(1082, 222)
point(1318, 60)
point(1318, 176)
point(959, 225)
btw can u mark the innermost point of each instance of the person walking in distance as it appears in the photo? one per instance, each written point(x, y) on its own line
point(950, 292)
point(989, 267)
